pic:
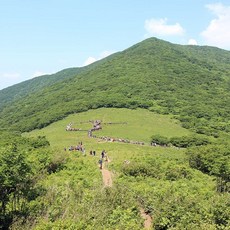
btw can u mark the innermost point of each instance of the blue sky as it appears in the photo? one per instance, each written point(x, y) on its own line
point(45, 36)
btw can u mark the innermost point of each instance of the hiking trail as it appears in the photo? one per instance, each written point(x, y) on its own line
point(106, 175)
point(147, 218)
point(107, 181)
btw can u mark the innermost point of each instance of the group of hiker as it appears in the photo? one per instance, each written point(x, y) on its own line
point(92, 152)
point(111, 139)
point(96, 126)
point(78, 147)
point(103, 157)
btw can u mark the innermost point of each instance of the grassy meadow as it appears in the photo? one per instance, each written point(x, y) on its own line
point(140, 125)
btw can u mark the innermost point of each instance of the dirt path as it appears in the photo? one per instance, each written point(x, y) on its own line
point(106, 174)
point(107, 181)
point(107, 178)
point(147, 218)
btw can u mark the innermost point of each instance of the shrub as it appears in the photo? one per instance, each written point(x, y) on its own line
point(188, 141)
point(159, 140)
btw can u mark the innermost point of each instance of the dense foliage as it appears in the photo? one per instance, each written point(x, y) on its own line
point(23, 89)
point(21, 162)
point(181, 142)
point(214, 160)
point(177, 196)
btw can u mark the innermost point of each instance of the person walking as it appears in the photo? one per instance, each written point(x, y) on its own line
point(103, 154)
point(100, 163)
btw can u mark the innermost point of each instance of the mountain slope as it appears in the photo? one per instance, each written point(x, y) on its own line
point(190, 82)
point(18, 91)
point(25, 88)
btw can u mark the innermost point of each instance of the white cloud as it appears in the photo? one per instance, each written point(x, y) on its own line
point(218, 31)
point(192, 42)
point(90, 60)
point(161, 28)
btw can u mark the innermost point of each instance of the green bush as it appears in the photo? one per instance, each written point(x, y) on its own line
point(159, 140)
point(175, 172)
point(188, 141)
point(213, 160)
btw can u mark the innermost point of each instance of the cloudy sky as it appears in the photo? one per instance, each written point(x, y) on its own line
point(45, 36)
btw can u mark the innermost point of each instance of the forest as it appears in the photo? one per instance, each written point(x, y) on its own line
point(172, 98)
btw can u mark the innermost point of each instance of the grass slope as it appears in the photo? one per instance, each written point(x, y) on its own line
point(141, 125)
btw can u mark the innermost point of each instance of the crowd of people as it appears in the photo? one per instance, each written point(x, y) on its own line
point(80, 147)
point(111, 139)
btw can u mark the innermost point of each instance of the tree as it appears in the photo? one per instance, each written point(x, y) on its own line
point(159, 140)
point(14, 181)
point(214, 160)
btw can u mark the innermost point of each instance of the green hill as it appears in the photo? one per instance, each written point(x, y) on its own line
point(190, 82)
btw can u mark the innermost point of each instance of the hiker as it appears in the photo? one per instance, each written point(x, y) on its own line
point(100, 163)
point(94, 153)
point(91, 152)
point(103, 154)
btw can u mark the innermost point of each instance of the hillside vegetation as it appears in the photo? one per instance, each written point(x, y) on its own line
point(23, 89)
point(29, 87)
point(190, 82)
point(65, 189)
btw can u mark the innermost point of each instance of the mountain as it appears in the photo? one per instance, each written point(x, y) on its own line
point(190, 82)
